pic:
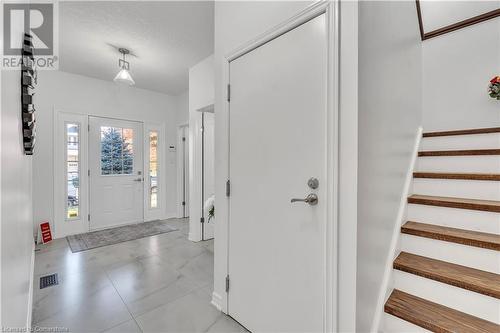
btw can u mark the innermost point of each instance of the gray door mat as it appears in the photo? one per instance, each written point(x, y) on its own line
point(99, 238)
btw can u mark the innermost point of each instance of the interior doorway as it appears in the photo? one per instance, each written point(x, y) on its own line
point(208, 169)
point(116, 172)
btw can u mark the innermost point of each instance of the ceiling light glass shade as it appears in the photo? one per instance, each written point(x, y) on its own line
point(124, 76)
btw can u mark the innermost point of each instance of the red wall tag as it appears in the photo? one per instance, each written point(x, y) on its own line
point(45, 231)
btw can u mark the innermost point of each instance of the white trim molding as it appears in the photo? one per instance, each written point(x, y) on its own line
point(30, 292)
point(395, 247)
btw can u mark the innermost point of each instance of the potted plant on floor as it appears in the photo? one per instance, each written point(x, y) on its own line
point(210, 207)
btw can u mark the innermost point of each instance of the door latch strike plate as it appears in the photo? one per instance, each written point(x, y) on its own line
point(227, 283)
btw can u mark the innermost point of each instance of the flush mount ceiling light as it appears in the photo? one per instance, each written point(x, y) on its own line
point(123, 75)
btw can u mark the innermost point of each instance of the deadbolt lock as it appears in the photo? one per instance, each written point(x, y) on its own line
point(313, 183)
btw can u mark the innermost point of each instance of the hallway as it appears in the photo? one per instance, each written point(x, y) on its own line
point(158, 283)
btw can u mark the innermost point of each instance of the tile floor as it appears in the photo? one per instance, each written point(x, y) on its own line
point(161, 283)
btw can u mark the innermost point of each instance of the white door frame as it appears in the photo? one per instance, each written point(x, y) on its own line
point(331, 253)
point(196, 173)
point(180, 168)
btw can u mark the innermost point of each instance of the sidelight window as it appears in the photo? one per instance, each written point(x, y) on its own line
point(72, 170)
point(153, 169)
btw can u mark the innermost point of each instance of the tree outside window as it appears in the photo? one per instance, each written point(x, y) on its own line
point(117, 155)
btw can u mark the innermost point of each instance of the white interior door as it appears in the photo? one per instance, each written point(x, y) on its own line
point(278, 140)
point(116, 175)
point(208, 169)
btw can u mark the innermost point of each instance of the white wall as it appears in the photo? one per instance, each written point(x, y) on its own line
point(79, 94)
point(201, 95)
point(457, 68)
point(390, 111)
point(237, 22)
point(16, 210)
point(438, 14)
point(182, 109)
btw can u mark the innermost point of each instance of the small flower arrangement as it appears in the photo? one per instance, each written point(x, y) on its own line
point(210, 207)
point(494, 88)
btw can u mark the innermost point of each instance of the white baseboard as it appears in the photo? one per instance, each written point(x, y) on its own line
point(170, 216)
point(30, 292)
point(383, 293)
point(217, 301)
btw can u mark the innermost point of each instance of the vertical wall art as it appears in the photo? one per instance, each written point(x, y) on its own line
point(28, 82)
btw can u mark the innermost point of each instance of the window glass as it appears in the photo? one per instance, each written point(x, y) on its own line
point(153, 169)
point(117, 151)
point(72, 170)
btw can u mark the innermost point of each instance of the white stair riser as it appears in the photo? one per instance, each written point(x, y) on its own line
point(455, 218)
point(463, 300)
point(474, 189)
point(474, 164)
point(393, 324)
point(470, 256)
point(458, 142)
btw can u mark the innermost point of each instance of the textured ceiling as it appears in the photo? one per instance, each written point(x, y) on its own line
point(166, 37)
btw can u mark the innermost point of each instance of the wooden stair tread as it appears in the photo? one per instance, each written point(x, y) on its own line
point(433, 316)
point(454, 235)
point(466, 152)
point(451, 202)
point(460, 176)
point(482, 282)
point(462, 132)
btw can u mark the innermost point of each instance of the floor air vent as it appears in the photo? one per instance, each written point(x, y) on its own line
point(48, 280)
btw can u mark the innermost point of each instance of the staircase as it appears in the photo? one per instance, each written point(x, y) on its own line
point(447, 275)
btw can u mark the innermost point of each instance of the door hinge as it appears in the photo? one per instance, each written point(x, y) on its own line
point(229, 93)
point(184, 203)
point(88, 217)
point(228, 188)
point(183, 139)
point(227, 283)
point(202, 220)
point(88, 127)
point(89, 172)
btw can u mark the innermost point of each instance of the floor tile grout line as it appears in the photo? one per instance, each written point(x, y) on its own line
point(124, 303)
point(171, 301)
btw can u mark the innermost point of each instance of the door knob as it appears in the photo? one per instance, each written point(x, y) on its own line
point(311, 199)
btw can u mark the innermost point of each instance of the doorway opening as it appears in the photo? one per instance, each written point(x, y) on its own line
point(207, 169)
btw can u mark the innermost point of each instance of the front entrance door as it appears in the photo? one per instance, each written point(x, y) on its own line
point(116, 175)
point(278, 140)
